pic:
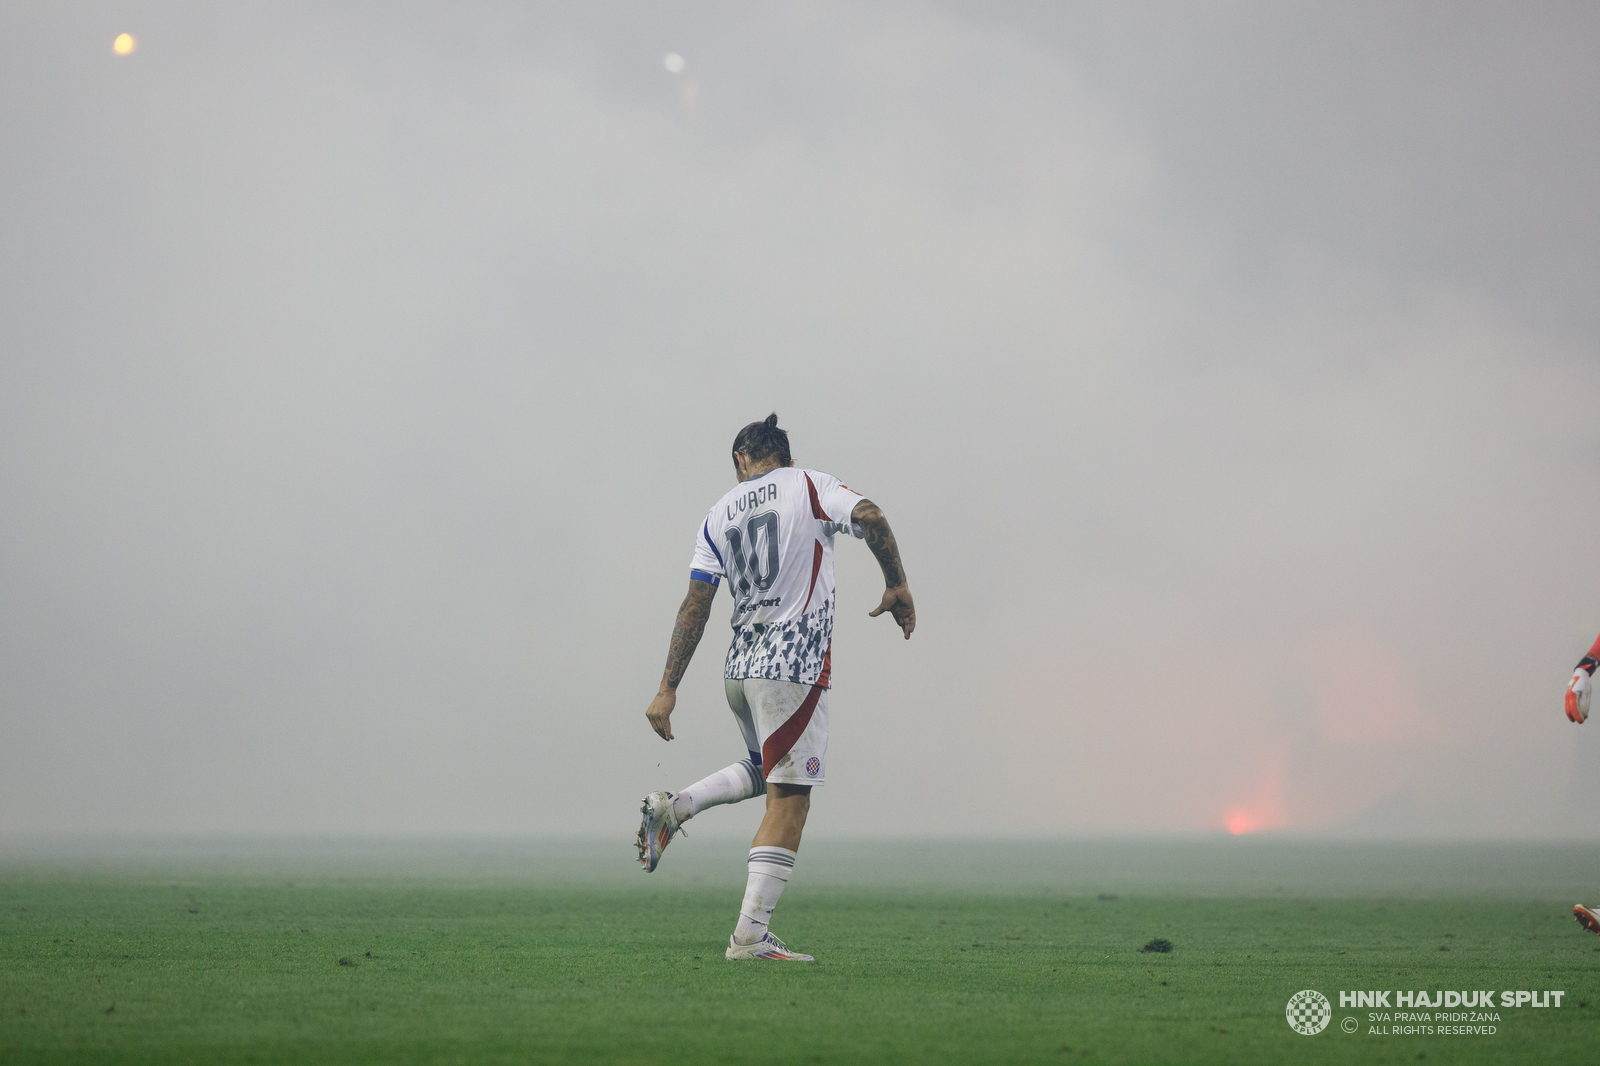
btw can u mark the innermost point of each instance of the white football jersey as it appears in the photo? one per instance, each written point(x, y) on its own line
point(771, 540)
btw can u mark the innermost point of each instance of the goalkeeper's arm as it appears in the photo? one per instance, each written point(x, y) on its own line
point(1582, 681)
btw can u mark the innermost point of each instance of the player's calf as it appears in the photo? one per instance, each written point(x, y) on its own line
point(731, 784)
point(769, 873)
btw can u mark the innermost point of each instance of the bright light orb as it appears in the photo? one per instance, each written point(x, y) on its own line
point(1240, 823)
point(124, 44)
point(674, 63)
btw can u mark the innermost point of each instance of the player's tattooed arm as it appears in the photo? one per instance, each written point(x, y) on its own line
point(686, 633)
point(687, 630)
point(880, 539)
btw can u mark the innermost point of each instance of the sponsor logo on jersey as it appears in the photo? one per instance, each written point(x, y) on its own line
point(750, 605)
point(812, 766)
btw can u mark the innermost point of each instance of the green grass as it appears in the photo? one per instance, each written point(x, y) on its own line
point(101, 966)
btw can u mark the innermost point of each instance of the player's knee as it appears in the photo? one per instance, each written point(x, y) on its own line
point(795, 796)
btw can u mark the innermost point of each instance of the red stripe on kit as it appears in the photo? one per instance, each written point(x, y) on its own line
point(783, 738)
point(816, 505)
point(816, 568)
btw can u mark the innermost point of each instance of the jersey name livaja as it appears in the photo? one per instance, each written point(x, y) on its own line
point(771, 540)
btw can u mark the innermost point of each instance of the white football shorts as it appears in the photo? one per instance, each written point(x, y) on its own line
point(787, 723)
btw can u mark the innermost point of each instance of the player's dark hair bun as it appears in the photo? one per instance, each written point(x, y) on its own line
point(761, 440)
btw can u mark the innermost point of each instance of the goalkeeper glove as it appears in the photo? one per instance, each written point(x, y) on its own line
point(1578, 690)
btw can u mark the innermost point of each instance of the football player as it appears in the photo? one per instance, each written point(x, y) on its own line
point(770, 539)
point(1578, 690)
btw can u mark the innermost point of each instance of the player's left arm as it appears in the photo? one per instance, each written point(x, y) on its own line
point(880, 538)
point(1578, 689)
point(686, 633)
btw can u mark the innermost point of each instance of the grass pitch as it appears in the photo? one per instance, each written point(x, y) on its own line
point(114, 964)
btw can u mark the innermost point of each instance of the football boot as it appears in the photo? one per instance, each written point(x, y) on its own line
point(656, 829)
point(768, 947)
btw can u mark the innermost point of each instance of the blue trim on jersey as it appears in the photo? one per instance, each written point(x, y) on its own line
point(700, 575)
point(755, 757)
point(705, 531)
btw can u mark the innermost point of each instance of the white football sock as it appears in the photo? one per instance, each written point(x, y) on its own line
point(731, 784)
point(769, 872)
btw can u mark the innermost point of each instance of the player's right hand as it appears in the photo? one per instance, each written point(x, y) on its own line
point(897, 601)
point(1578, 695)
point(660, 712)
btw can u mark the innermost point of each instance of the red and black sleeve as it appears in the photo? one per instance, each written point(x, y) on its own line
point(1592, 660)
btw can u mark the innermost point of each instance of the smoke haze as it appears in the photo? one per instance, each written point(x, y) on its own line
point(1228, 374)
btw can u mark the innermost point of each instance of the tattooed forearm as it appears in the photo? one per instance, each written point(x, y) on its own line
point(880, 538)
point(687, 630)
